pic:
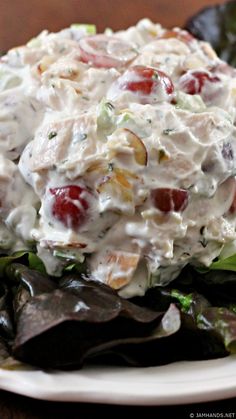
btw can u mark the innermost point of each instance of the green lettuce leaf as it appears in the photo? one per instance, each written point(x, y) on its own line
point(223, 264)
point(227, 264)
point(24, 256)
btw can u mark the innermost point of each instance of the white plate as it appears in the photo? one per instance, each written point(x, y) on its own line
point(182, 382)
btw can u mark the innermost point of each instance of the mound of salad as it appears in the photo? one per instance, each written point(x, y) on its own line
point(118, 199)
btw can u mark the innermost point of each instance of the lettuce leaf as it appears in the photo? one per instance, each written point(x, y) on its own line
point(27, 257)
point(78, 319)
point(222, 322)
point(64, 322)
point(227, 264)
point(217, 25)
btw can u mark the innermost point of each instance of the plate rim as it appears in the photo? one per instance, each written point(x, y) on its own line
point(39, 384)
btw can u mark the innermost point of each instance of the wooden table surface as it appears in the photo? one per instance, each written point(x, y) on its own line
point(17, 407)
point(20, 20)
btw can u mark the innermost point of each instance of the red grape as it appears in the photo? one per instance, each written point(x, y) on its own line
point(167, 199)
point(193, 82)
point(70, 205)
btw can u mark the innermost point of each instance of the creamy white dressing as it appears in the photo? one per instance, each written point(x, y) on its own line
point(68, 123)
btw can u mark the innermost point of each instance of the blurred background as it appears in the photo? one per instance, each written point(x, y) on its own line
point(20, 20)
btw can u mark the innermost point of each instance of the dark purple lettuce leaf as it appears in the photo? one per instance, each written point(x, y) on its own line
point(187, 299)
point(187, 344)
point(62, 323)
point(221, 322)
point(217, 286)
point(217, 25)
point(4, 351)
point(80, 319)
point(217, 314)
point(190, 342)
point(6, 313)
point(69, 343)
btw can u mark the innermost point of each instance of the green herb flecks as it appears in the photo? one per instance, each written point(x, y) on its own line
point(155, 75)
point(203, 242)
point(162, 155)
point(83, 136)
point(167, 131)
point(52, 135)
point(110, 167)
point(202, 230)
point(110, 106)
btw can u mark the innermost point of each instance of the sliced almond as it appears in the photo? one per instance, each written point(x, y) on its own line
point(121, 267)
point(140, 152)
point(123, 141)
point(116, 185)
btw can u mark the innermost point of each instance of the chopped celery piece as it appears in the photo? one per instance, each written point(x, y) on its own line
point(34, 43)
point(68, 254)
point(193, 103)
point(123, 118)
point(105, 117)
point(108, 32)
point(8, 80)
point(89, 28)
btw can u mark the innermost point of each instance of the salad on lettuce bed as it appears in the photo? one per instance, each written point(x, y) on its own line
point(117, 178)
